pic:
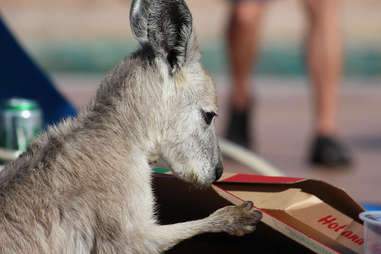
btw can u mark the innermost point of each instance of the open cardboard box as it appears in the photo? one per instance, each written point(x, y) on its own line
point(300, 215)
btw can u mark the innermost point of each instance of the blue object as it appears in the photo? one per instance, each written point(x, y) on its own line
point(372, 207)
point(21, 77)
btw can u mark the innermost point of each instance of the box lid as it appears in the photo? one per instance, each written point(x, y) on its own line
point(332, 195)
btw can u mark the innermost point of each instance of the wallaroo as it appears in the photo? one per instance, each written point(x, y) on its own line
point(84, 186)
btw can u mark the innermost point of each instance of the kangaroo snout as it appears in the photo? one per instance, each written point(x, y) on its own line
point(219, 170)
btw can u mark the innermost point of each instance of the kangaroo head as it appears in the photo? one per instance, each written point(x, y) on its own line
point(187, 103)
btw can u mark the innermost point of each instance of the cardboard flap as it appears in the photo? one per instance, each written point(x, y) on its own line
point(283, 200)
point(334, 196)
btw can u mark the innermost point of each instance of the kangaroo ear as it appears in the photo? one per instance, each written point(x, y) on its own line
point(166, 25)
point(139, 14)
point(169, 30)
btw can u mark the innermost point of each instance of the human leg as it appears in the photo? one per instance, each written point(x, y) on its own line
point(242, 42)
point(324, 58)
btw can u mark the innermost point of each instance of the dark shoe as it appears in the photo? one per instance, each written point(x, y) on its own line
point(238, 129)
point(329, 152)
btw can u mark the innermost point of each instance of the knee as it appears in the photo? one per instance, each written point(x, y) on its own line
point(247, 12)
point(323, 10)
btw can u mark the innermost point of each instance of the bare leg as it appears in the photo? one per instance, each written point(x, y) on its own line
point(242, 39)
point(324, 56)
point(235, 220)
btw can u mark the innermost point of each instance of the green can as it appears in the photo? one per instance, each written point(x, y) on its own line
point(20, 122)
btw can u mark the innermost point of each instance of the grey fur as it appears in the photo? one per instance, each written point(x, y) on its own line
point(139, 14)
point(84, 186)
point(166, 25)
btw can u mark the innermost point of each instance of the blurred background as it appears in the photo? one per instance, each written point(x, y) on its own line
point(77, 41)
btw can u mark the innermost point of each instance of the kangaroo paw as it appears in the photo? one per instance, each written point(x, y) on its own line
point(236, 220)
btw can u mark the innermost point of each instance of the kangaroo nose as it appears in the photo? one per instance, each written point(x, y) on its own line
point(219, 170)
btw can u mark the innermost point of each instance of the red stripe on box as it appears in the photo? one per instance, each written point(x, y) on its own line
point(247, 178)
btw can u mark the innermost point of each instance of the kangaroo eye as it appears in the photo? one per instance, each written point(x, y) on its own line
point(208, 116)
